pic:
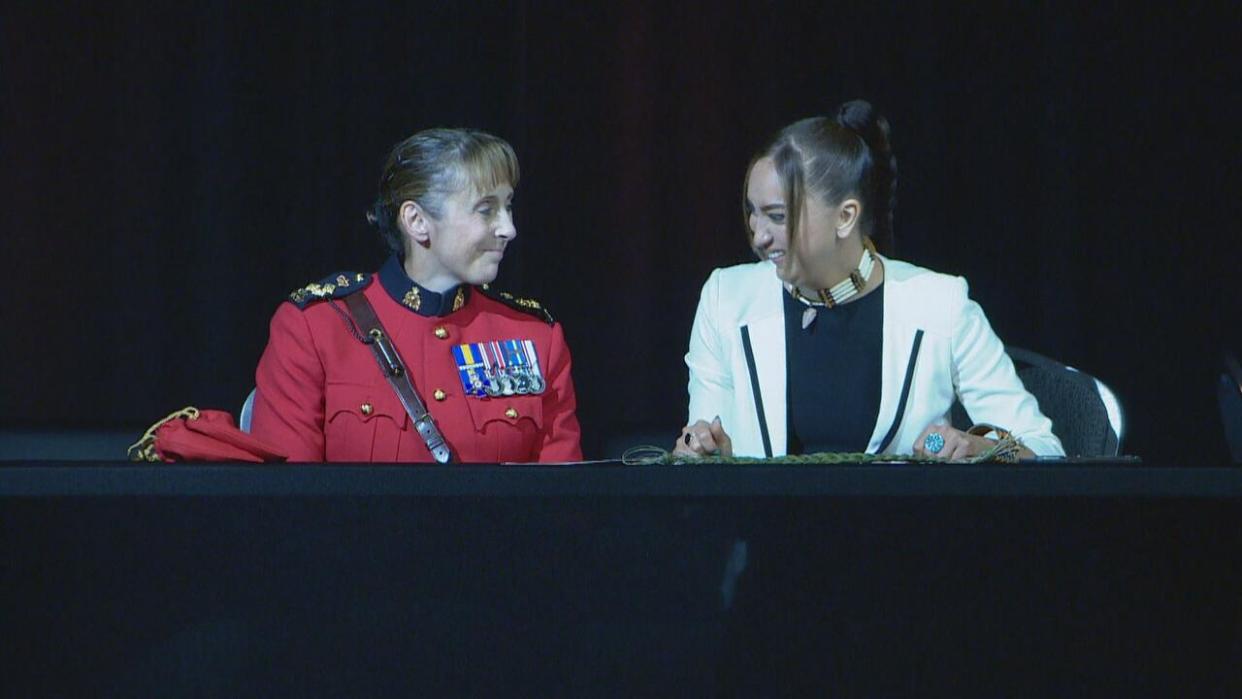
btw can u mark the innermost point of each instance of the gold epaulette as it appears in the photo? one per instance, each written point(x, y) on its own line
point(529, 306)
point(333, 286)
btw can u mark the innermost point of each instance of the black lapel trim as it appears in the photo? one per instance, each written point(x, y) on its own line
point(754, 388)
point(905, 393)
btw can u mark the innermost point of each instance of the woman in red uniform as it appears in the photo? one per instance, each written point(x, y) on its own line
point(493, 371)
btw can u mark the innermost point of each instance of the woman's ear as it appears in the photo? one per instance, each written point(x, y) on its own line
point(848, 213)
point(414, 222)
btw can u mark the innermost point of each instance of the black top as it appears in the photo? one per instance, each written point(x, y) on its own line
point(834, 380)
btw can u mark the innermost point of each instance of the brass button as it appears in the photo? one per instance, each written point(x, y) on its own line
point(439, 395)
point(441, 333)
point(366, 408)
point(511, 414)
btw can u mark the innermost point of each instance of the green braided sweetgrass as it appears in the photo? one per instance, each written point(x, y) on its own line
point(1004, 451)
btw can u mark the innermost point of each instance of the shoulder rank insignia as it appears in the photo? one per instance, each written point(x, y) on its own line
point(529, 306)
point(333, 286)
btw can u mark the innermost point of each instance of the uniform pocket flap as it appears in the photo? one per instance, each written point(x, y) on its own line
point(364, 402)
point(508, 409)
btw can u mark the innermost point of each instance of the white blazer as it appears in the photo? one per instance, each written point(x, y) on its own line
point(938, 346)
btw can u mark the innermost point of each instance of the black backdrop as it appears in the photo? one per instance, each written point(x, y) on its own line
point(168, 174)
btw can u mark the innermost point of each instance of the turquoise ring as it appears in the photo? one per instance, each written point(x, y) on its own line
point(933, 443)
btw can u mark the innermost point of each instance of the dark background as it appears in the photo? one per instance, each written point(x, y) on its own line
point(167, 175)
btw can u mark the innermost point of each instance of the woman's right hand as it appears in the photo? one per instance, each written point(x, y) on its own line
point(704, 439)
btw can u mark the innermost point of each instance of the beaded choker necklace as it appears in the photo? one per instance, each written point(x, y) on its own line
point(830, 298)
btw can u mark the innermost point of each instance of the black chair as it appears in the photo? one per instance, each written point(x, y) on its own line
point(1086, 415)
point(1229, 395)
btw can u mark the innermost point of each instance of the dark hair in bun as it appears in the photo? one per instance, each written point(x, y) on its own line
point(848, 155)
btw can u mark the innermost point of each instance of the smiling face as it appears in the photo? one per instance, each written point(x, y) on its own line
point(808, 258)
point(466, 243)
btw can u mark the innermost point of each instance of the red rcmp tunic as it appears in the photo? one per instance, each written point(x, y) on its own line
point(321, 396)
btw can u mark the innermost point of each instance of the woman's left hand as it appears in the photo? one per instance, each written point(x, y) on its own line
point(954, 445)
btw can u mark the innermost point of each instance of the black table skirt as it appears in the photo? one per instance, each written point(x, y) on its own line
point(1064, 579)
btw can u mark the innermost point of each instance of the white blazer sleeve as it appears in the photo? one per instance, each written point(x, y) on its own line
point(711, 380)
point(988, 386)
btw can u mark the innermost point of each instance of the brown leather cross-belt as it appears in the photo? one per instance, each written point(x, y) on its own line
point(394, 370)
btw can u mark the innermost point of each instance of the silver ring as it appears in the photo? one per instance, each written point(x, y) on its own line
point(934, 443)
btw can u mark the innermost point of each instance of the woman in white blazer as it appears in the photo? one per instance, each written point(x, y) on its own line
point(826, 345)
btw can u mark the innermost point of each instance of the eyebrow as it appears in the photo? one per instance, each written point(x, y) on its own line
point(766, 207)
point(492, 198)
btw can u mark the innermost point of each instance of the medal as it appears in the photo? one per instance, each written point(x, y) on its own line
point(503, 377)
point(516, 361)
point(499, 368)
point(537, 384)
point(472, 369)
point(492, 384)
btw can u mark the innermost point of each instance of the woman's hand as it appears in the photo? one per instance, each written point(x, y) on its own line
point(954, 445)
point(704, 439)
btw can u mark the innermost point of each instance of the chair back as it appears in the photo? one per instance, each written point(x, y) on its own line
point(247, 412)
point(1229, 396)
point(1086, 415)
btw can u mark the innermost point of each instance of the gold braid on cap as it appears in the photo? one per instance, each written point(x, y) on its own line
point(144, 448)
